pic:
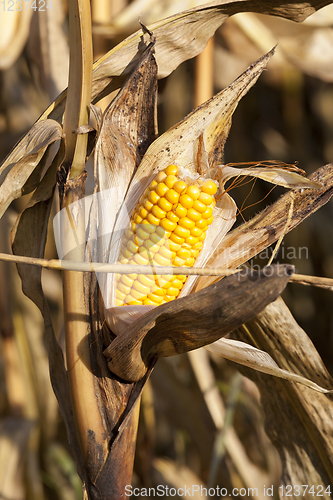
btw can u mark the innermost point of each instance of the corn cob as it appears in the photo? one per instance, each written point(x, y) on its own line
point(168, 227)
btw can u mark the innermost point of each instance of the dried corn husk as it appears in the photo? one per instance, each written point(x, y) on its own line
point(189, 145)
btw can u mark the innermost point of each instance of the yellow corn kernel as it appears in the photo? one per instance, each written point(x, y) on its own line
point(172, 196)
point(146, 280)
point(139, 287)
point(170, 180)
point(149, 228)
point(193, 191)
point(210, 220)
point(199, 206)
point(153, 220)
point(161, 189)
point(158, 212)
point(165, 252)
point(173, 217)
point(177, 284)
point(164, 204)
point(155, 298)
point(132, 247)
point(189, 262)
point(176, 239)
point(153, 197)
point(205, 198)
point(201, 224)
point(168, 225)
point(195, 231)
point(184, 253)
point(141, 232)
point(131, 301)
point(186, 201)
point(151, 246)
point(173, 291)
point(171, 170)
point(186, 222)
point(178, 261)
point(126, 280)
point(182, 232)
point(180, 187)
point(191, 240)
point(181, 277)
point(207, 214)
point(209, 187)
point(156, 239)
point(138, 295)
point(157, 290)
point(140, 259)
point(137, 219)
point(198, 246)
point(120, 295)
point(180, 211)
point(148, 205)
point(123, 288)
point(161, 176)
point(127, 254)
point(174, 247)
point(148, 302)
point(162, 233)
point(193, 214)
point(161, 261)
point(143, 212)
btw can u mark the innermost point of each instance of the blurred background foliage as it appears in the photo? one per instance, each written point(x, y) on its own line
point(287, 116)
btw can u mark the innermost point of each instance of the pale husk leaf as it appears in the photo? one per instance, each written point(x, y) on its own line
point(249, 356)
point(277, 176)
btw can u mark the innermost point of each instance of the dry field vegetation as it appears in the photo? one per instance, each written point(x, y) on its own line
point(227, 387)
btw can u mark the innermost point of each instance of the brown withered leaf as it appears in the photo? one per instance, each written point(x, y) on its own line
point(29, 239)
point(193, 321)
point(292, 409)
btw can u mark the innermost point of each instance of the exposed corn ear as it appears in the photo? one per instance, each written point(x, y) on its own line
point(167, 228)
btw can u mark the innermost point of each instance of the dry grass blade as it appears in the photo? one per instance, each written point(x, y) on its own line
point(193, 321)
point(292, 409)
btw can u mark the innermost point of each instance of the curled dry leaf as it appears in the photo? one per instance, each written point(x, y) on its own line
point(16, 171)
point(292, 409)
point(192, 322)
